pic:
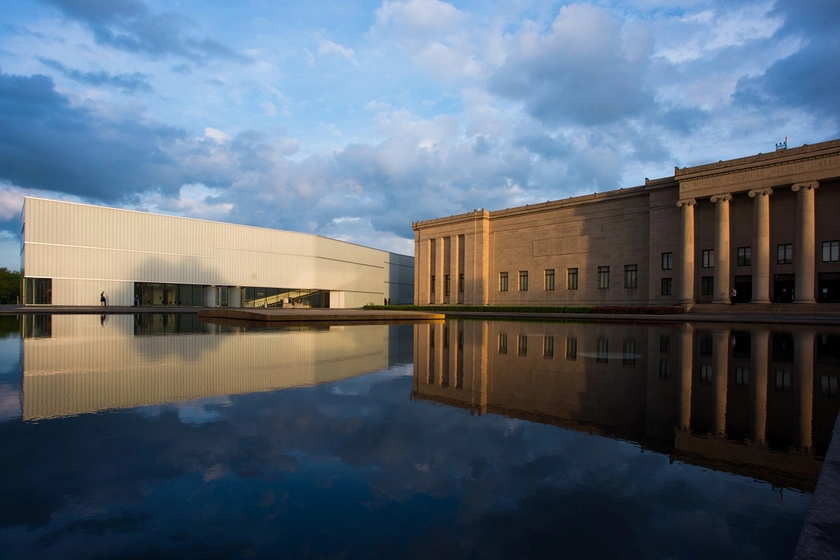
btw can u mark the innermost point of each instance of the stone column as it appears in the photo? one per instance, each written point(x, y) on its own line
point(803, 368)
point(440, 255)
point(685, 367)
point(761, 246)
point(759, 366)
point(720, 342)
point(804, 248)
point(454, 259)
point(722, 255)
point(686, 293)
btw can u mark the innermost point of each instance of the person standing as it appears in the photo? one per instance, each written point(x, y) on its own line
point(733, 295)
point(103, 299)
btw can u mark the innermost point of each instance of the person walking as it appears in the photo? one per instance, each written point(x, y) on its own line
point(103, 299)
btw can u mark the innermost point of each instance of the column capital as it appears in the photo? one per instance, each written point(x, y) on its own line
point(809, 186)
point(724, 197)
point(761, 192)
point(687, 202)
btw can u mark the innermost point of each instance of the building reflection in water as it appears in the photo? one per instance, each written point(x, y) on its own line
point(76, 364)
point(758, 401)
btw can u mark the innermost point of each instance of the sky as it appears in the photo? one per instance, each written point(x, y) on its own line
point(351, 120)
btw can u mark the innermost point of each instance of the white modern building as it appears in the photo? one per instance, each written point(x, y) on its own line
point(71, 253)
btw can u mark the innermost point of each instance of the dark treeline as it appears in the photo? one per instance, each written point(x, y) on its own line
point(9, 285)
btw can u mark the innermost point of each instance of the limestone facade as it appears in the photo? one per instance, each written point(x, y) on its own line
point(766, 226)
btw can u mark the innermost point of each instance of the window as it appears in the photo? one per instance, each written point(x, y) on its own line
point(523, 280)
point(503, 281)
point(603, 277)
point(629, 354)
point(667, 286)
point(521, 345)
point(707, 285)
point(446, 285)
point(784, 254)
point(502, 343)
point(828, 386)
point(667, 261)
point(664, 343)
point(664, 370)
point(572, 279)
point(782, 381)
point(461, 282)
point(744, 256)
point(603, 355)
point(831, 251)
point(708, 258)
point(548, 347)
point(631, 272)
point(549, 279)
point(571, 348)
point(705, 374)
point(742, 377)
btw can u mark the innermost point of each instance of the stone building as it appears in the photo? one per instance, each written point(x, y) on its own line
point(765, 226)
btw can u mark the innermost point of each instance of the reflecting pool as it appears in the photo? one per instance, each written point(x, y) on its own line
point(162, 436)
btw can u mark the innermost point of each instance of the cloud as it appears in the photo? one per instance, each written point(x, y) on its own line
point(327, 48)
point(583, 70)
point(135, 82)
point(130, 26)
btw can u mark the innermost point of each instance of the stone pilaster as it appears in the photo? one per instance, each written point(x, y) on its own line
point(686, 293)
point(454, 260)
point(722, 255)
point(804, 248)
point(440, 259)
point(761, 246)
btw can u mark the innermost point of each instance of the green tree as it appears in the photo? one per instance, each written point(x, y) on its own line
point(9, 285)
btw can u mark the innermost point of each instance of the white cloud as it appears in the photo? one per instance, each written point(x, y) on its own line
point(329, 47)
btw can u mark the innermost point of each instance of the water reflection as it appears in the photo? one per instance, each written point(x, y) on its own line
point(758, 401)
point(76, 364)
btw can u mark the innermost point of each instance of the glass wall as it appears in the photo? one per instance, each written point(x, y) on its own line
point(38, 291)
point(146, 293)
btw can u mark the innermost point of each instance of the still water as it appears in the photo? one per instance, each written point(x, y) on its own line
point(164, 437)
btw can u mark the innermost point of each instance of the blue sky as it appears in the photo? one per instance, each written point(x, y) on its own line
point(351, 120)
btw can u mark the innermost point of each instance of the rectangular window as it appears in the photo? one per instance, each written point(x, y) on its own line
point(782, 381)
point(664, 343)
point(603, 354)
point(708, 258)
point(571, 348)
point(664, 370)
point(572, 279)
point(784, 253)
point(521, 345)
point(742, 376)
point(828, 386)
point(705, 374)
point(502, 343)
point(603, 277)
point(667, 261)
point(549, 279)
point(631, 272)
point(831, 251)
point(503, 281)
point(548, 347)
point(446, 285)
point(523, 280)
point(629, 355)
point(744, 256)
point(461, 282)
point(707, 285)
point(667, 286)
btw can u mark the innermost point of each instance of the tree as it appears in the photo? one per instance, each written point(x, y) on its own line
point(9, 285)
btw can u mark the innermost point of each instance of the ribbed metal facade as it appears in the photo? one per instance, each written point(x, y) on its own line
point(87, 249)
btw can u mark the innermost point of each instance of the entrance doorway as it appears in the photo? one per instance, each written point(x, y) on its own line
point(783, 287)
point(743, 287)
point(828, 287)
